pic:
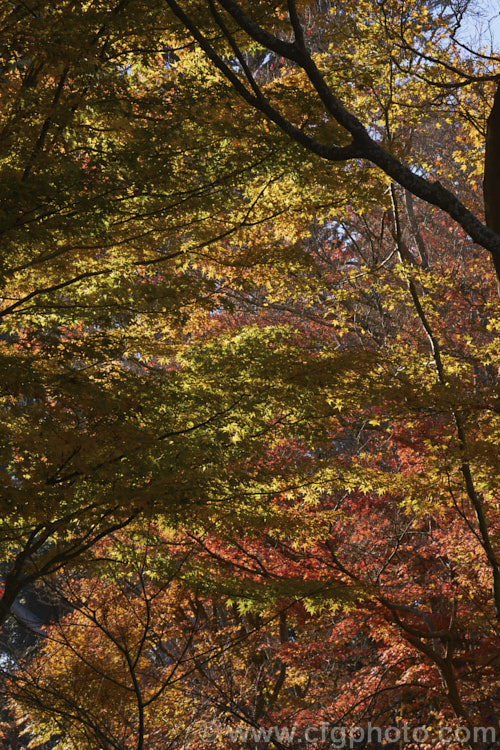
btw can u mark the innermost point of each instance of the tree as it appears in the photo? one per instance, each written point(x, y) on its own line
point(393, 24)
point(233, 310)
point(491, 167)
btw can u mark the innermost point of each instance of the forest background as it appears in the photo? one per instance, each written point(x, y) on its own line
point(249, 351)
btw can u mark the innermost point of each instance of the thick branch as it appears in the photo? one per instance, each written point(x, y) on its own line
point(362, 145)
point(258, 101)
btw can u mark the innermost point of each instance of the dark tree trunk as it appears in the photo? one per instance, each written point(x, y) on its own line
point(491, 182)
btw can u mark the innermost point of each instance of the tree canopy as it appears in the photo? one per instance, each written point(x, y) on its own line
point(249, 344)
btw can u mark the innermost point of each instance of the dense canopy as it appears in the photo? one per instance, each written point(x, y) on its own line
point(250, 400)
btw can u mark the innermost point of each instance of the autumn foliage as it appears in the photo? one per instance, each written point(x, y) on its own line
point(250, 402)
